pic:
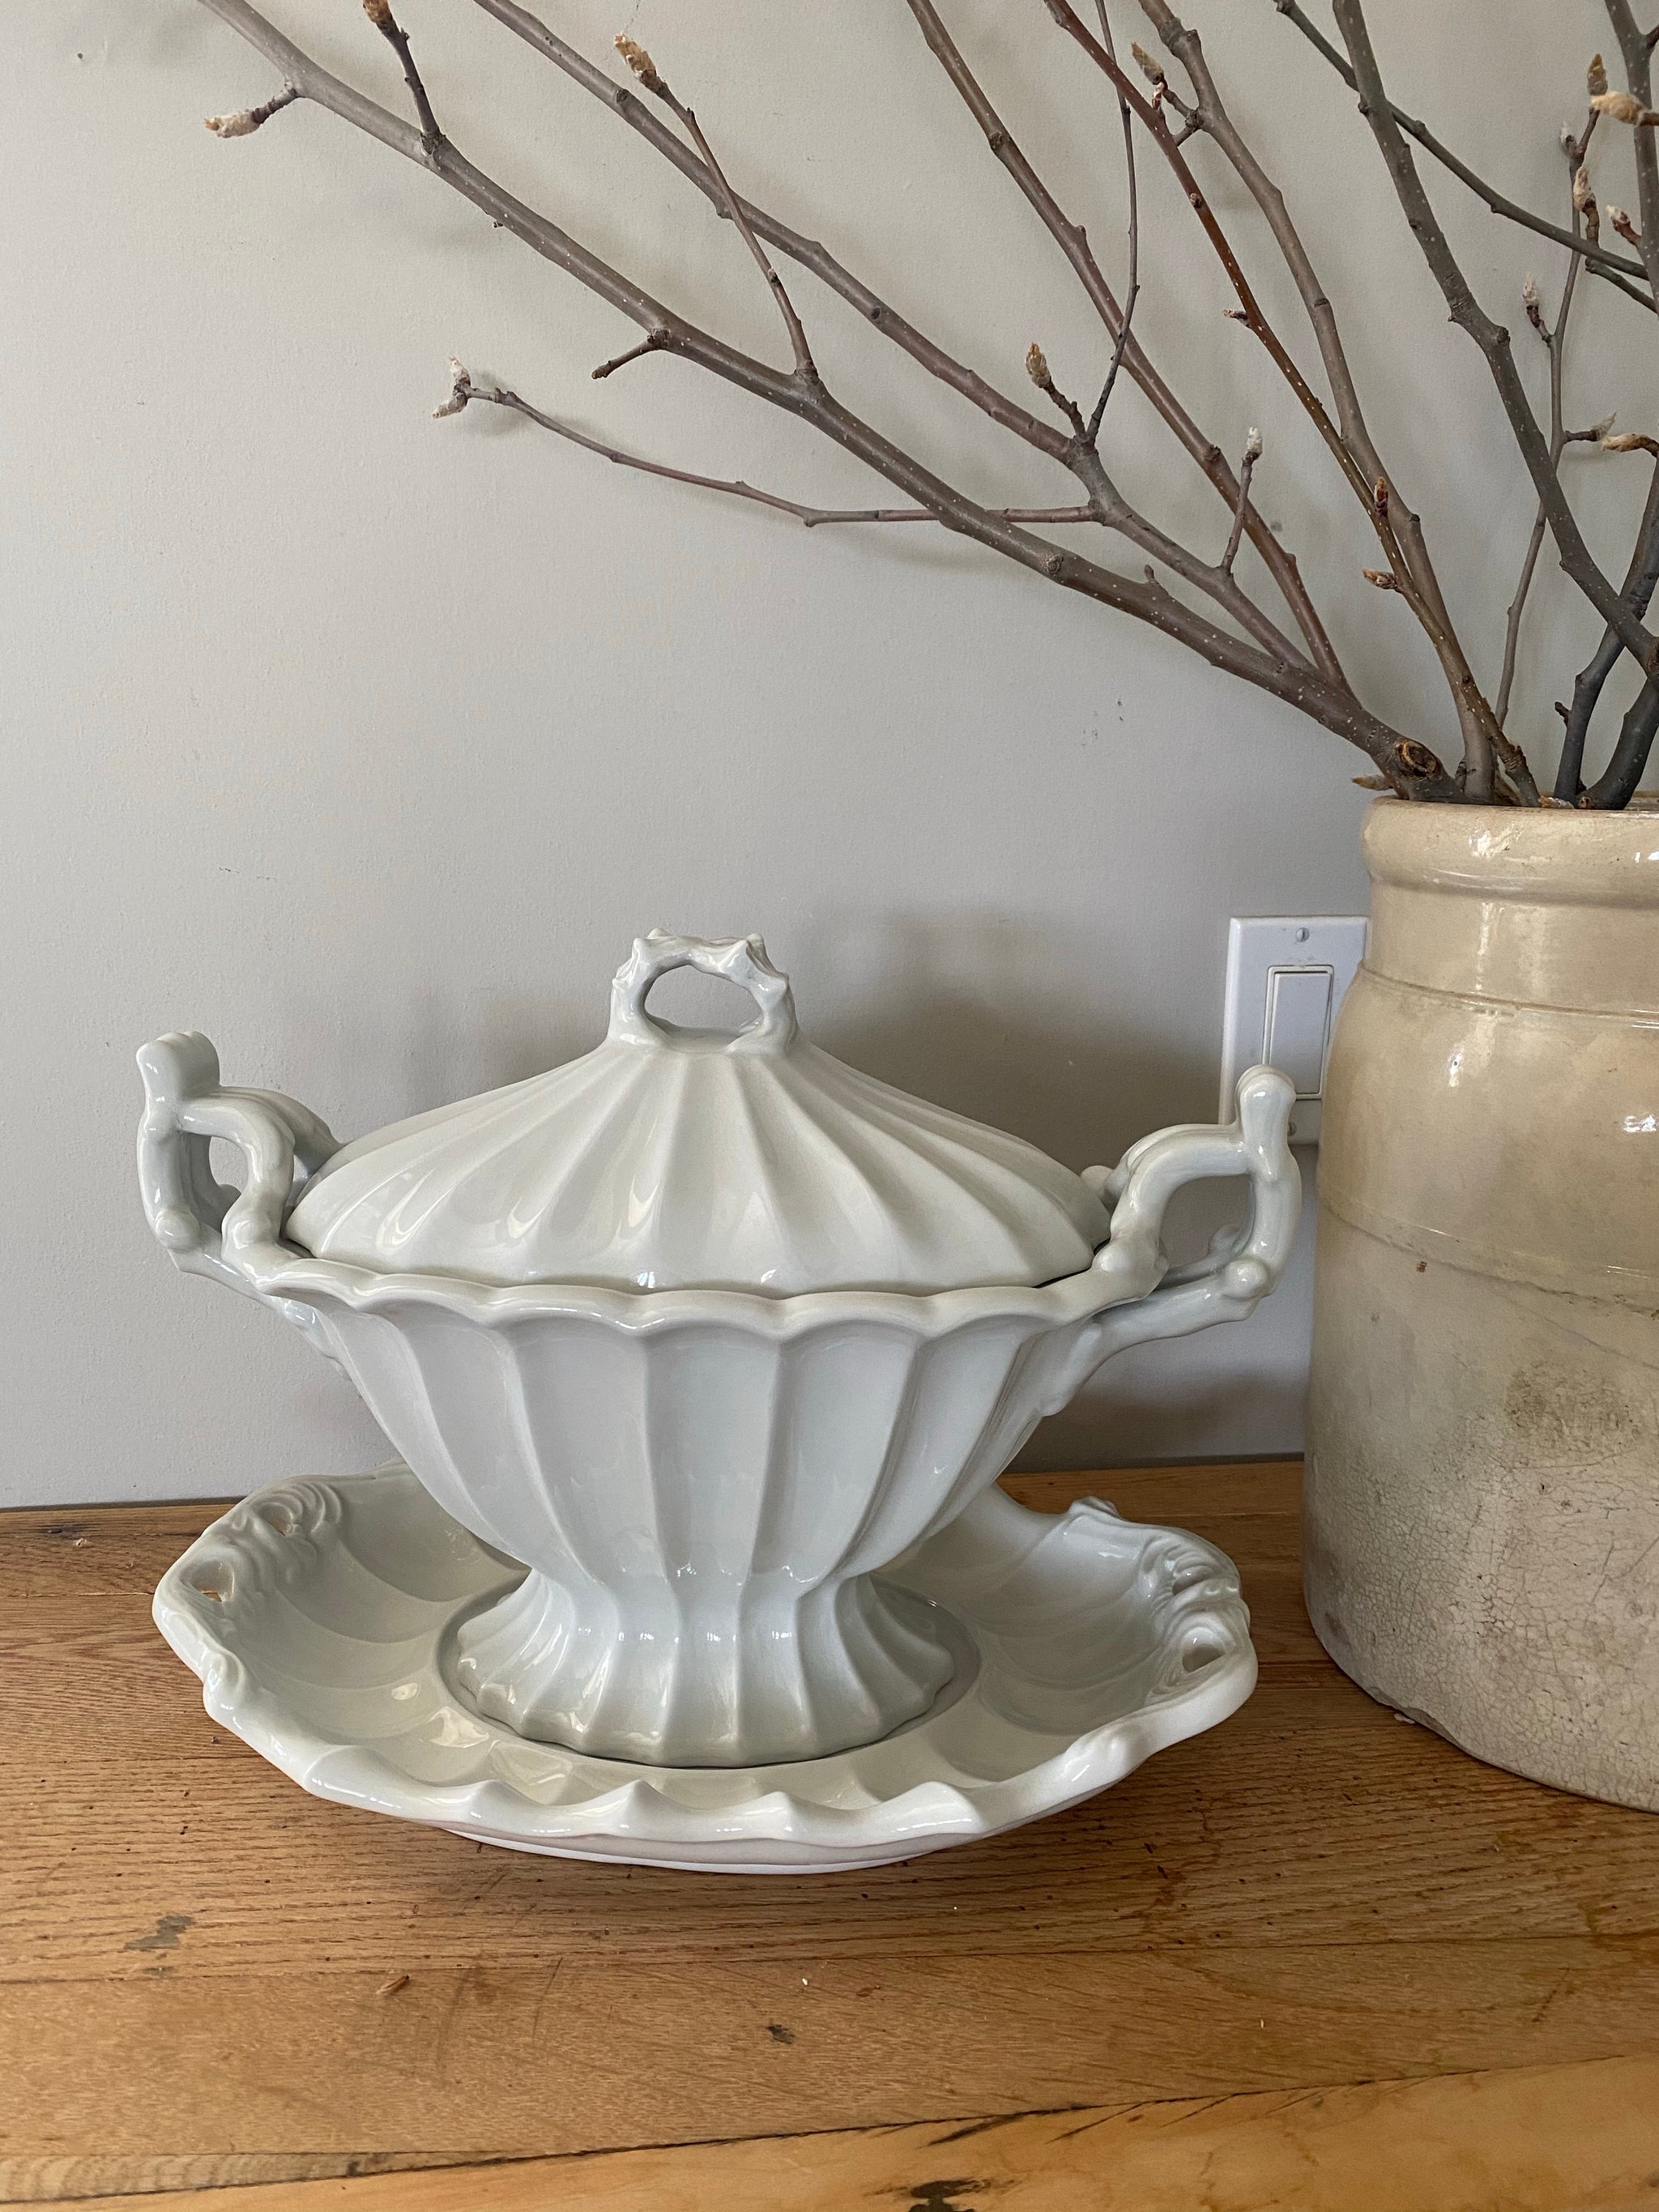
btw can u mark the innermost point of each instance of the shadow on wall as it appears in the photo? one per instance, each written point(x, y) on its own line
point(979, 1012)
point(1239, 1415)
point(970, 1011)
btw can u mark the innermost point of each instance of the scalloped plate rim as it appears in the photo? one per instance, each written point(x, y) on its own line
point(636, 1822)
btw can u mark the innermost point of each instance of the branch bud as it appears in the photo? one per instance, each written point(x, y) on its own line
point(1624, 107)
point(379, 13)
point(1529, 301)
point(1150, 68)
point(641, 64)
point(247, 120)
point(1036, 368)
point(1583, 198)
point(1595, 76)
point(1629, 441)
point(1381, 578)
point(460, 391)
point(1253, 446)
point(1622, 223)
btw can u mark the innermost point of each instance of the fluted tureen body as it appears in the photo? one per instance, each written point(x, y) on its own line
point(706, 1332)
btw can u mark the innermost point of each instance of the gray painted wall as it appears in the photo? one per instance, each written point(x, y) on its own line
point(367, 743)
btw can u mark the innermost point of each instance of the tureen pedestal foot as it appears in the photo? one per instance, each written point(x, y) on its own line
point(760, 1672)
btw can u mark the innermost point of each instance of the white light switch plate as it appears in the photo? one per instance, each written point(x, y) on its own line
point(1286, 978)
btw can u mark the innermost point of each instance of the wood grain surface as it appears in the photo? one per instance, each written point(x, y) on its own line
point(1527, 2141)
point(208, 1979)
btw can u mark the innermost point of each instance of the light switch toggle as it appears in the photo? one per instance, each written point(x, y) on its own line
point(1286, 975)
point(1298, 1024)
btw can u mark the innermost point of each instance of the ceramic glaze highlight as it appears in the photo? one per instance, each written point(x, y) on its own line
point(671, 1159)
point(705, 1482)
point(1483, 1418)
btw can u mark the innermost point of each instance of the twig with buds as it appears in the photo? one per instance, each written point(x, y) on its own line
point(1342, 425)
point(645, 69)
point(1164, 93)
point(463, 392)
point(1036, 368)
point(1492, 338)
point(1132, 284)
point(1605, 262)
point(1234, 632)
point(379, 13)
point(1246, 471)
point(1072, 241)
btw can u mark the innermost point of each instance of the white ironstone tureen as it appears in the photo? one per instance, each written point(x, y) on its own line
point(706, 1331)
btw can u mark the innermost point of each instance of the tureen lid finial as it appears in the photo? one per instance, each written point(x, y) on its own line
point(739, 960)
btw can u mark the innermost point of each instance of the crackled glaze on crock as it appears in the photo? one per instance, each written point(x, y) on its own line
point(1483, 1468)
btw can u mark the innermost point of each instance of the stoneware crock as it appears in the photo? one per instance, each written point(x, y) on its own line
point(704, 1331)
point(1482, 1512)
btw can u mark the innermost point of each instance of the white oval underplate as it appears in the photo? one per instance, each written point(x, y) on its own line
point(320, 1616)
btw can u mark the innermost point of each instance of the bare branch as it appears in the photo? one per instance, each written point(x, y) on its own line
point(1252, 315)
point(1216, 581)
point(1131, 286)
point(379, 13)
point(1555, 343)
point(1636, 52)
point(1492, 339)
point(640, 62)
point(813, 256)
point(1619, 784)
point(1397, 525)
point(807, 252)
point(1072, 241)
point(464, 392)
point(653, 342)
point(1599, 256)
point(1411, 768)
point(1640, 580)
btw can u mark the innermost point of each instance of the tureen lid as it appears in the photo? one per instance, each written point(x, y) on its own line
point(673, 1158)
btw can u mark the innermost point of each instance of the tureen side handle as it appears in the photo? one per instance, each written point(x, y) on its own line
point(203, 1226)
point(1243, 1263)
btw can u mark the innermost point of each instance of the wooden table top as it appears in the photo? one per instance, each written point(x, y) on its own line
point(1316, 1958)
